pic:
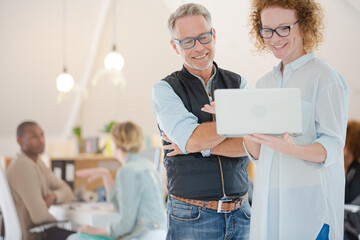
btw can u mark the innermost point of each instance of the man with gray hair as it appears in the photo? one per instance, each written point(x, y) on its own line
point(207, 176)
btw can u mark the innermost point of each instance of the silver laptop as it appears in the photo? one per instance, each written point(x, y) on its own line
point(268, 111)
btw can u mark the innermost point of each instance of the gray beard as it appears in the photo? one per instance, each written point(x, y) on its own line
point(200, 69)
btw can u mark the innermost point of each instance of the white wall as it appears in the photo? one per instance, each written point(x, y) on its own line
point(31, 59)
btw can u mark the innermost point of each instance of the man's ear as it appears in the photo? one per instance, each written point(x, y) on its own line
point(214, 35)
point(19, 141)
point(174, 46)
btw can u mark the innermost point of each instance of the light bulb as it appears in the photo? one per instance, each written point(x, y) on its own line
point(64, 82)
point(114, 60)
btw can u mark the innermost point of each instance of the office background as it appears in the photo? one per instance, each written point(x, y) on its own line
point(31, 58)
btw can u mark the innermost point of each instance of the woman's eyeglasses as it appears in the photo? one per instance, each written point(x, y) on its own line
point(282, 31)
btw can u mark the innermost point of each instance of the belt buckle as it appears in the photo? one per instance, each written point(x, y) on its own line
point(221, 201)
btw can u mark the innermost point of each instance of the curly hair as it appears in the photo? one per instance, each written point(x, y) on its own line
point(353, 138)
point(309, 13)
point(127, 136)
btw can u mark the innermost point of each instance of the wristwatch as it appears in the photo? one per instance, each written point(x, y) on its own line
point(206, 153)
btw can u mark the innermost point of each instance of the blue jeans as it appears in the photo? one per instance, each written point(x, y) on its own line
point(186, 221)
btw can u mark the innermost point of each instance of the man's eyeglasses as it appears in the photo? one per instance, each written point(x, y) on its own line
point(282, 31)
point(188, 43)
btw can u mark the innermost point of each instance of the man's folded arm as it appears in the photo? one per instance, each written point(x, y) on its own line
point(204, 137)
point(60, 188)
point(230, 147)
point(31, 194)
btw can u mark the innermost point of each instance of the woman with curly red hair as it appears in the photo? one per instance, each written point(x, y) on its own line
point(299, 181)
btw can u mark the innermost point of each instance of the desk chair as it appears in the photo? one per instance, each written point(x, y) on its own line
point(352, 220)
point(153, 154)
point(11, 218)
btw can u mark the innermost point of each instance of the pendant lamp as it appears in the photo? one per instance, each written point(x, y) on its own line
point(64, 82)
point(114, 60)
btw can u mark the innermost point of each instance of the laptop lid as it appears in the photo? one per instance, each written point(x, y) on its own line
point(272, 111)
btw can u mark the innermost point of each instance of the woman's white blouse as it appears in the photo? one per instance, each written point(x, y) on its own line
point(294, 198)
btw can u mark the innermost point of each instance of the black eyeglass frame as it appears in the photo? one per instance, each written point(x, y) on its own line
point(194, 38)
point(275, 30)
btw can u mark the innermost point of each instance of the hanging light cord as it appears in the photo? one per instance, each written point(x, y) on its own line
point(114, 25)
point(64, 36)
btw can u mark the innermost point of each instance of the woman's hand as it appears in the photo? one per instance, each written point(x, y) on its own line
point(93, 173)
point(97, 231)
point(312, 153)
point(284, 144)
point(209, 108)
point(171, 146)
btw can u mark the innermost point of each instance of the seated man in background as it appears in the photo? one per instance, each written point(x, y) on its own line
point(34, 187)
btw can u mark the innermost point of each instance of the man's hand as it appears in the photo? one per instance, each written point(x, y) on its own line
point(209, 108)
point(97, 231)
point(171, 146)
point(50, 199)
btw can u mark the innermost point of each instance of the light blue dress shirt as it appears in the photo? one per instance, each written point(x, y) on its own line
point(172, 116)
point(294, 198)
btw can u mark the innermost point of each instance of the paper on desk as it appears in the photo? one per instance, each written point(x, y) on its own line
point(101, 206)
point(69, 172)
point(57, 172)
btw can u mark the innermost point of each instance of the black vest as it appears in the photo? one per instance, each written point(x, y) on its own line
point(192, 175)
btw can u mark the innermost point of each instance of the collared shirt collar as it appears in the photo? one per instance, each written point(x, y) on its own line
point(293, 66)
point(210, 79)
point(190, 75)
point(130, 157)
point(301, 61)
point(21, 154)
point(206, 86)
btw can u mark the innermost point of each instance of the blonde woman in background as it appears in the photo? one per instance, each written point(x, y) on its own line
point(136, 193)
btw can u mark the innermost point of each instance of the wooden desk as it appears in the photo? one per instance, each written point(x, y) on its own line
point(75, 163)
